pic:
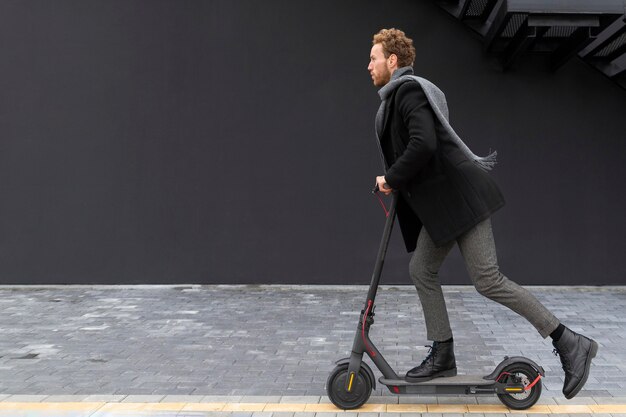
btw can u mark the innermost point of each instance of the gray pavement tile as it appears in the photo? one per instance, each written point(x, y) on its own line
point(135, 391)
point(143, 398)
point(104, 398)
point(380, 399)
point(65, 398)
point(610, 400)
point(597, 393)
point(221, 398)
point(575, 401)
point(22, 398)
point(484, 399)
point(547, 400)
point(182, 399)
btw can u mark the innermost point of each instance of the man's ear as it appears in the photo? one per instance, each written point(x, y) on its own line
point(393, 59)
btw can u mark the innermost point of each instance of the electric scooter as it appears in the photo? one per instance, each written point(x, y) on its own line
point(516, 380)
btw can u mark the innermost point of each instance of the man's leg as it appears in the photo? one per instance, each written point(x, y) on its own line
point(575, 351)
point(424, 269)
point(479, 251)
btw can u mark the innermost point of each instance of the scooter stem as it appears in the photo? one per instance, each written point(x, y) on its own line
point(382, 250)
point(361, 341)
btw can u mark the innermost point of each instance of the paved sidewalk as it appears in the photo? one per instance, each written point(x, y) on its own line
point(267, 344)
point(288, 407)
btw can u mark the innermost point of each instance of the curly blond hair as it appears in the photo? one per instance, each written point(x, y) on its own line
point(395, 41)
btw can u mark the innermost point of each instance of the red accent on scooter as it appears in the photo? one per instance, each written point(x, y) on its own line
point(500, 376)
point(527, 388)
point(396, 390)
point(383, 205)
point(367, 346)
point(532, 384)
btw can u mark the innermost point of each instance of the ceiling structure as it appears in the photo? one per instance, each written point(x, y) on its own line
point(593, 30)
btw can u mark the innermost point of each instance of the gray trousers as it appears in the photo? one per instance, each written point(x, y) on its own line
point(479, 251)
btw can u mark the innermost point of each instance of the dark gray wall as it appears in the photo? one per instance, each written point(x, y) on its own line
point(227, 141)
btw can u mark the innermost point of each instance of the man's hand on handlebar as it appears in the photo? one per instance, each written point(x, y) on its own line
point(383, 186)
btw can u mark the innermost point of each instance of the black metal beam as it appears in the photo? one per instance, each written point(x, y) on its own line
point(462, 8)
point(498, 23)
point(488, 9)
point(518, 45)
point(613, 69)
point(449, 6)
point(614, 30)
point(523, 40)
point(563, 20)
point(567, 6)
point(618, 52)
point(574, 43)
point(618, 67)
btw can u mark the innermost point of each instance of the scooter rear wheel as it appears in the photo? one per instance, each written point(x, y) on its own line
point(525, 374)
point(339, 395)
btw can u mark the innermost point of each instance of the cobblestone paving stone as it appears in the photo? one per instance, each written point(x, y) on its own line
point(272, 340)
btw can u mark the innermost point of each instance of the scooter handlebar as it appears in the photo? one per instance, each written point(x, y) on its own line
point(376, 189)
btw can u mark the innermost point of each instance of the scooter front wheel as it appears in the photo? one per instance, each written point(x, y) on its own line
point(339, 395)
point(521, 373)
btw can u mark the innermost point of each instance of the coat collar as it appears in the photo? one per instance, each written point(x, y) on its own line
point(388, 89)
point(393, 83)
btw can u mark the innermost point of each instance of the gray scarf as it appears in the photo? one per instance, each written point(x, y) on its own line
point(437, 101)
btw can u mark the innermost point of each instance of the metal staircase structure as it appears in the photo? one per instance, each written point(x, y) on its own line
point(594, 30)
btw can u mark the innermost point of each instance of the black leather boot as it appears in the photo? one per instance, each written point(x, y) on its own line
point(439, 362)
point(575, 352)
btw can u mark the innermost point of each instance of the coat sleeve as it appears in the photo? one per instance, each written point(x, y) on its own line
point(419, 119)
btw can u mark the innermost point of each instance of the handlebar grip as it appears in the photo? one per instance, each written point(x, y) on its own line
point(376, 189)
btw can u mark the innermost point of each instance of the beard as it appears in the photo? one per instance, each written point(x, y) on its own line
point(383, 78)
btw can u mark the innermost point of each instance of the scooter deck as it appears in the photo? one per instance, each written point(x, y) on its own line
point(454, 385)
point(451, 380)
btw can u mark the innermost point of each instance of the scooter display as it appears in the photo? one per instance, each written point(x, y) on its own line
point(516, 380)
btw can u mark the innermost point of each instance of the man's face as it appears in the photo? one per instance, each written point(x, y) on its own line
point(378, 67)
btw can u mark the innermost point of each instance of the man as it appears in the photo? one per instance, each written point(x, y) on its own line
point(447, 197)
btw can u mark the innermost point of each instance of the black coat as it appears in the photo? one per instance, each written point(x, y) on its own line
point(439, 187)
